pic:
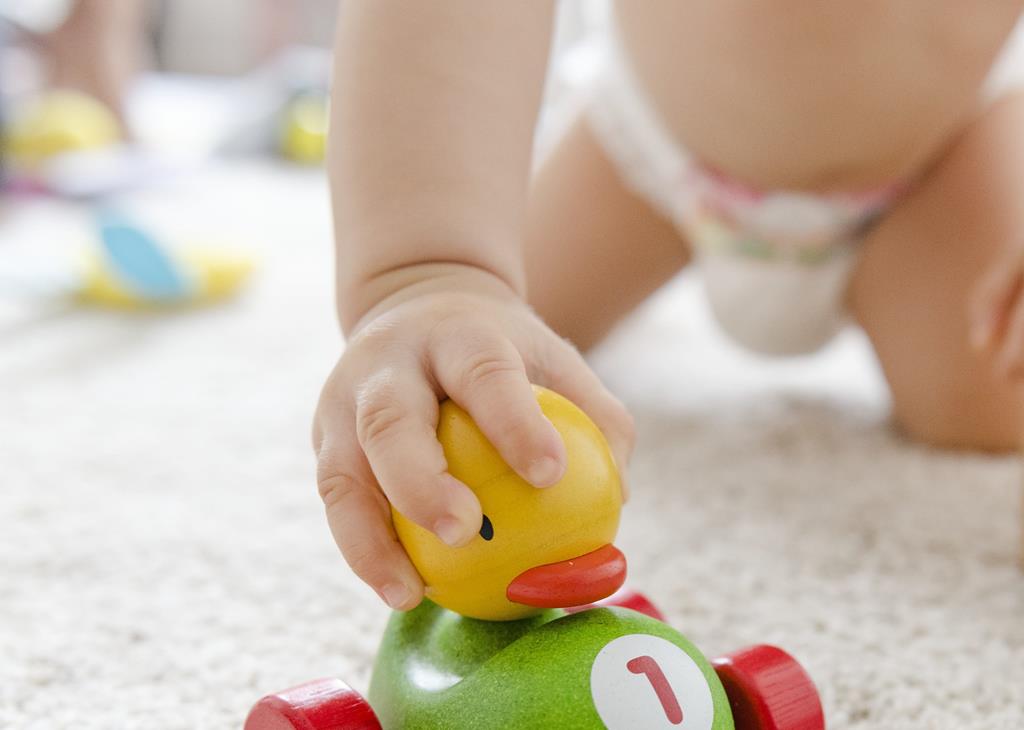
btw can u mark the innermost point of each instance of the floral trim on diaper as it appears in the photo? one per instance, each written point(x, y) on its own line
point(725, 216)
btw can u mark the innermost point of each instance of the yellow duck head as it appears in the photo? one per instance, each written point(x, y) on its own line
point(537, 548)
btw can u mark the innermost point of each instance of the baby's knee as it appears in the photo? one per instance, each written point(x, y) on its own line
point(960, 420)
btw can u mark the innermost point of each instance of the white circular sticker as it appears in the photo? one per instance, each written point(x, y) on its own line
point(644, 681)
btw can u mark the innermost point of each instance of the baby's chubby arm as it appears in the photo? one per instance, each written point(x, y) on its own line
point(432, 122)
point(433, 115)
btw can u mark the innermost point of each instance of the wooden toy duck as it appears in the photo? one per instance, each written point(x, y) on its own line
point(538, 548)
point(499, 644)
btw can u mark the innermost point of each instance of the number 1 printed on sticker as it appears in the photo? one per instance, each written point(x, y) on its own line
point(646, 665)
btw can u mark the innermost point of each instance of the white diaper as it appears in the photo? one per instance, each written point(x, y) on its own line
point(775, 264)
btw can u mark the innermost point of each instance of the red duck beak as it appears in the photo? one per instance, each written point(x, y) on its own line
point(572, 582)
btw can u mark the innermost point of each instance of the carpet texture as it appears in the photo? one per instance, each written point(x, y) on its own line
point(164, 560)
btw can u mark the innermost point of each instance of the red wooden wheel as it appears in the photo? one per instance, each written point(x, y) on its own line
point(323, 704)
point(769, 690)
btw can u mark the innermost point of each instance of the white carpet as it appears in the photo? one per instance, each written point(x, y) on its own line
point(164, 560)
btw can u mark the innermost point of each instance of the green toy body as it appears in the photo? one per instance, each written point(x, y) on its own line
point(437, 669)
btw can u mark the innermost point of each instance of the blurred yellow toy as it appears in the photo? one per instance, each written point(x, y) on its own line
point(304, 128)
point(131, 270)
point(213, 275)
point(127, 269)
point(538, 548)
point(58, 122)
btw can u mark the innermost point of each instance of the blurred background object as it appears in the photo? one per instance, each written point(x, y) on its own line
point(130, 104)
point(56, 123)
point(187, 78)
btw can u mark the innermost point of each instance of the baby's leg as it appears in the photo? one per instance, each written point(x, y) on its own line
point(918, 271)
point(594, 250)
point(99, 48)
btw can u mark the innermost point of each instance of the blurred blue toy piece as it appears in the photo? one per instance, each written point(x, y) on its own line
point(125, 267)
point(132, 269)
point(139, 262)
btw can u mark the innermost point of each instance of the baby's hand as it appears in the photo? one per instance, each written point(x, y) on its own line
point(375, 427)
point(997, 313)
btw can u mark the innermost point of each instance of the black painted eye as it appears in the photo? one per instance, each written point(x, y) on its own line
point(486, 529)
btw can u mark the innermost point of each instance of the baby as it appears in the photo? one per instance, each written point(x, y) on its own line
point(817, 160)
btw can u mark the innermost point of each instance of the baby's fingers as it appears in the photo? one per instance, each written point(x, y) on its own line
point(570, 375)
point(992, 298)
point(360, 521)
point(484, 373)
point(396, 424)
